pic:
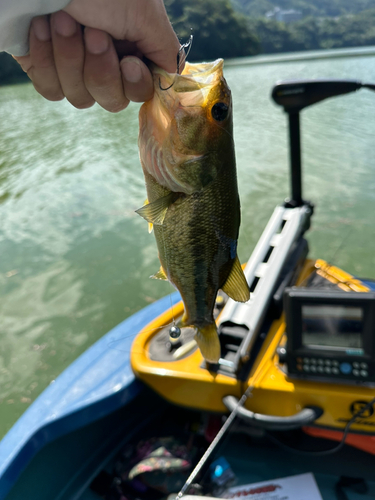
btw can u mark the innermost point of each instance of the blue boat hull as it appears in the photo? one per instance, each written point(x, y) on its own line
point(99, 385)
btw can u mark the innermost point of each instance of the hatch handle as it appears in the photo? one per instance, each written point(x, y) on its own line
point(270, 422)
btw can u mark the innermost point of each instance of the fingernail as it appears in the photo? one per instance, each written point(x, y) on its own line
point(64, 24)
point(41, 29)
point(96, 41)
point(131, 69)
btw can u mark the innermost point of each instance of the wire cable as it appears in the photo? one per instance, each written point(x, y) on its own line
point(214, 443)
point(330, 451)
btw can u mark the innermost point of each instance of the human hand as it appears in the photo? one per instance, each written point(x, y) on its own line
point(103, 62)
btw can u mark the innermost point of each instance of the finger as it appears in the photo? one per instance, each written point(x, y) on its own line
point(137, 79)
point(143, 22)
point(156, 38)
point(42, 70)
point(69, 55)
point(102, 73)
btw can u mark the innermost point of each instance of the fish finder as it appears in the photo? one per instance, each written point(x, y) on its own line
point(330, 335)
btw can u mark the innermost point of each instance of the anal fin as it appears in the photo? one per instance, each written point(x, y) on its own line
point(236, 285)
point(160, 275)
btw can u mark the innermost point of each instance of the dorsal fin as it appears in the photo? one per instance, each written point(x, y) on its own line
point(236, 285)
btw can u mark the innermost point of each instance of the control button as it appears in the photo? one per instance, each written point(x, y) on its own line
point(355, 365)
point(335, 370)
point(320, 369)
point(327, 362)
point(327, 369)
point(335, 363)
point(346, 368)
point(313, 361)
point(356, 372)
point(364, 373)
point(306, 360)
point(299, 368)
point(306, 368)
point(364, 366)
point(313, 368)
point(320, 361)
point(299, 360)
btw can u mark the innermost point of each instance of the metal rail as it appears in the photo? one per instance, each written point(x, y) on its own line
point(284, 229)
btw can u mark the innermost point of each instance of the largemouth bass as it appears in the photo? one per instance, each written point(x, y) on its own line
point(187, 155)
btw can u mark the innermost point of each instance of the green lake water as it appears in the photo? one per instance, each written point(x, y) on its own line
point(75, 258)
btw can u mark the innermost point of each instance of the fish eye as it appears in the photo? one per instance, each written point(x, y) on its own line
point(219, 111)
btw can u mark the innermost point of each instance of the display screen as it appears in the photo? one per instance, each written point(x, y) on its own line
point(334, 326)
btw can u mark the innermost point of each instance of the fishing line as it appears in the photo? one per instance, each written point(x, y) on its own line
point(344, 241)
point(172, 308)
point(172, 325)
point(329, 262)
point(112, 343)
point(170, 284)
point(188, 46)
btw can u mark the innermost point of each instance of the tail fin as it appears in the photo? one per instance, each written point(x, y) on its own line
point(208, 343)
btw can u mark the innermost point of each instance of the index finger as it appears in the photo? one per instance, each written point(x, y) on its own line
point(157, 41)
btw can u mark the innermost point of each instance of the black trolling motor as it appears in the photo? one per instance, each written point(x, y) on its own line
point(299, 94)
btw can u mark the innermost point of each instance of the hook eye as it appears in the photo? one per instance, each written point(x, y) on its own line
point(184, 46)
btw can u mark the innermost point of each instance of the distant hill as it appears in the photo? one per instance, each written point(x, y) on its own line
point(218, 30)
point(310, 33)
point(316, 8)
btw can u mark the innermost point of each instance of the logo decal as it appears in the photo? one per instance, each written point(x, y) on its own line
point(357, 406)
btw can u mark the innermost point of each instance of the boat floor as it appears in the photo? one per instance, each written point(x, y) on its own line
point(255, 458)
point(262, 461)
point(67, 468)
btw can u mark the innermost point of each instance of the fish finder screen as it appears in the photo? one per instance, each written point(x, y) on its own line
point(334, 326)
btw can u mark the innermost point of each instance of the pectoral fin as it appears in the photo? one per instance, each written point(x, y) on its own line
point(160, 275)
point(236, 285)
point(155, 212)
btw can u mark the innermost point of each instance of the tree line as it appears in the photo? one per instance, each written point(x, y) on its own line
point(10, 71)
point(316, 8)
point(316, 33)
point(220, 30)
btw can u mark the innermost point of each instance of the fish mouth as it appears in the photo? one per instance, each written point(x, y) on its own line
point(195, 76)
point(191, 88)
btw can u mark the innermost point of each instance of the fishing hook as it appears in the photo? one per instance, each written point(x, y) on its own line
point(184, 46)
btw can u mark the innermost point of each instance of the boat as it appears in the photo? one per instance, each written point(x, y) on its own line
point(292, 394)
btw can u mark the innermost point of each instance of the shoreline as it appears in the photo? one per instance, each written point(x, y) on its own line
point(302, 56)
